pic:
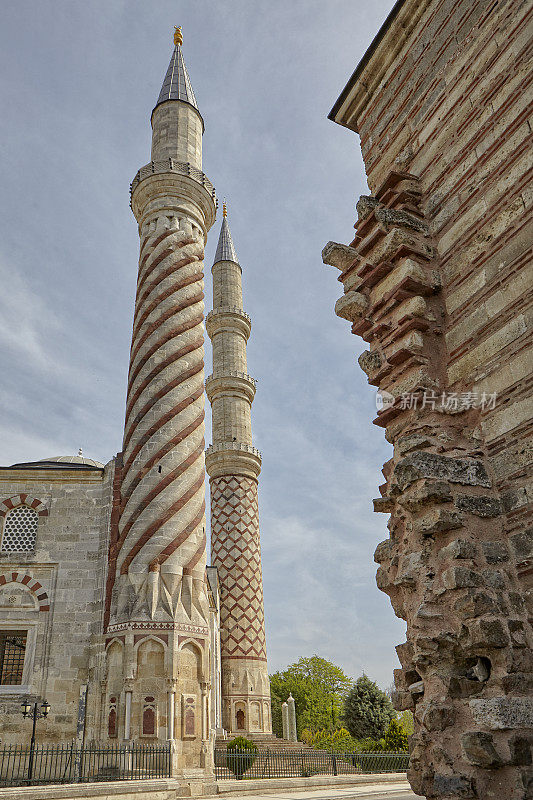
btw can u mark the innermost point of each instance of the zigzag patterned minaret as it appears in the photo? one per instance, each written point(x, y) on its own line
point(158, 543)
point(234, 465)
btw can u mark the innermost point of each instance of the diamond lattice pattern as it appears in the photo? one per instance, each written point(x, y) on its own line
point(236, 552)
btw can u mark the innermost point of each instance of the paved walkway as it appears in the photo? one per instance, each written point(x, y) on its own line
point(370, 791)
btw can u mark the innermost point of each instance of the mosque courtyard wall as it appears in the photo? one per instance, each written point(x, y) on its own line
point(51, 584)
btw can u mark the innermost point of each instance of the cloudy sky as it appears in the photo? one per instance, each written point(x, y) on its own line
point(78, 82)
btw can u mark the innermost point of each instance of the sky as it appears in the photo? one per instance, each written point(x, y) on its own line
point(78, 81)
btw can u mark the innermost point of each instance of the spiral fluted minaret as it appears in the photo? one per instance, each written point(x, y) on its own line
point(234, 465)
point(158, 541)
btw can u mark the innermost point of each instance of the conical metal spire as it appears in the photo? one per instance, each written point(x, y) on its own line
point(177, 84)
point(225, 249)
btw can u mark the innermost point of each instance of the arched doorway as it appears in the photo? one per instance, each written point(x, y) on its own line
point(239, 716)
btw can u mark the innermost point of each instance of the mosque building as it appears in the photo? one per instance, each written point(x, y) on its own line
point(108, 609)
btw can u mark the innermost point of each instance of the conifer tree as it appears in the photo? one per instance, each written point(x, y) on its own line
point(367, 710)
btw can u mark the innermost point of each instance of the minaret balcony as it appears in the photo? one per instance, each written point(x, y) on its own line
point(171, 165)
point(232, 458)
point(230, 384)
point(228, 318)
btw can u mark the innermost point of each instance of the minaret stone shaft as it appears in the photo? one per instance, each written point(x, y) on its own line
point(158, 544)
point(234, 465)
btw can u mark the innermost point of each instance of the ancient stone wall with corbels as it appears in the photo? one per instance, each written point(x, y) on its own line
point(437, 282)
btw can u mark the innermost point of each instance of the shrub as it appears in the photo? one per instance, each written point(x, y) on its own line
point(338, 741)
point(240, 755)
point(369, 745)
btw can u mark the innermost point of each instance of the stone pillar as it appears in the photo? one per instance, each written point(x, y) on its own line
point(205, 693)
point(234, 465)
point(291, 714)
point(171, 708)
point(127, 713)
point(285, 719)
point(101, 727)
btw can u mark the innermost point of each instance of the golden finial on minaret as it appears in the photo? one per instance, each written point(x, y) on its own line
point(178, 36)
point(224, 209)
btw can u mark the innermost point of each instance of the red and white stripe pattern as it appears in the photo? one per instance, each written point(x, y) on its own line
point(32, 584)
point(162, 510)
point(23, 499)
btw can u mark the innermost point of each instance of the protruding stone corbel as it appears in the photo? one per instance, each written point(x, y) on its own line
point(383, 551)
point(351, 306)
point(438, 520)
point(370, 362)
point(384, 505)
point(407, 275)
point(365, 206)
point(425, 491)
point(339, 255)
point(389, 218)
point(402, 349)
point(397, 240)
point(417, 688)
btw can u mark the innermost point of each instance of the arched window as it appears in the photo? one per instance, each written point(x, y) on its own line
point(112, 718)
point(20, 528)
point(149, 716)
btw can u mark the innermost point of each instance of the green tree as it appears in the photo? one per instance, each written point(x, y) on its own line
point(407, 722)
point(367, 710)
point(396, 737)
point(318, 688)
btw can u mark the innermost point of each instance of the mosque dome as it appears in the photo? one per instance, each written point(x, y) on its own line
point(60, 462)
point(72, 460)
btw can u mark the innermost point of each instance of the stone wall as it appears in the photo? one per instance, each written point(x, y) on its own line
point(55, 593)
point(438, 282)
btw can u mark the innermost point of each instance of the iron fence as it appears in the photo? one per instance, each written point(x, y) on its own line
point(45, 764)
point(242, 764)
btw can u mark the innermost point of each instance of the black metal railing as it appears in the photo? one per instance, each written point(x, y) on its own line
point(230, 764)
point(45, 764)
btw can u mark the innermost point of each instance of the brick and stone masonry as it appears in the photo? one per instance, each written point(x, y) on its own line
point(437, 282)
point(51, 587)
point(234, 465)
point(157, 673)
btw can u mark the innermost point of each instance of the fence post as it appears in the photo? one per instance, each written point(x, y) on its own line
point(334, 763)
point(267, 764)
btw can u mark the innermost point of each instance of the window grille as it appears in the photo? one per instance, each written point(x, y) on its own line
point(149, 717)
point(20, 529)
point(12, 651)
point(112, 718)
